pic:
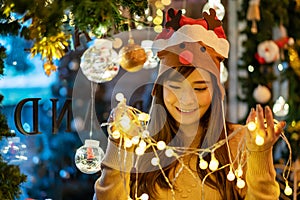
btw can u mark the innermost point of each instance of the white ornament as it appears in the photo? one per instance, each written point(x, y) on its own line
point(262, 94)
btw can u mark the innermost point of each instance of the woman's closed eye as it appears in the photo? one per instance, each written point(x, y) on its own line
point(200, 88)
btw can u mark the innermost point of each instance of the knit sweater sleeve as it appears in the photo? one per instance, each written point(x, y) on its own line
point(260, 171)
point(113, 184)
point(260, 176)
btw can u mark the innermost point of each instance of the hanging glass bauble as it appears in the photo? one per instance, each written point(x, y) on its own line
point(88, 157)
point(14, 151)
point(152, 59)
point(133, 57)
point(99, 63)
point(280, 108)
point(217, 6)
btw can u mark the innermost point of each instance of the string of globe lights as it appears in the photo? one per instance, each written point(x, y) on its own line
point(127, 117)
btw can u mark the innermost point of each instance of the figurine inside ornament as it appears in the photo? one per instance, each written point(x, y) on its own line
point(184, 147)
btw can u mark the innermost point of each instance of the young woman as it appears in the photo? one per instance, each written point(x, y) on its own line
point(187, 113)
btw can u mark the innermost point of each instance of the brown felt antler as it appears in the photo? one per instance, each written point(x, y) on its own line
point(174, 22)
point(211, 19)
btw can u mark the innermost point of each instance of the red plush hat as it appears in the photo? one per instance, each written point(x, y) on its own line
point(192, 42)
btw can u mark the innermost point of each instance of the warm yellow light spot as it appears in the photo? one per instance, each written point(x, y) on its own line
point(259, 140)
point(251, 126)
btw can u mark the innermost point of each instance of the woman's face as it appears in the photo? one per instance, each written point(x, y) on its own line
point(187, 99)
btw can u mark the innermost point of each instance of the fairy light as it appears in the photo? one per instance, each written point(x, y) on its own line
point(230, 175)
point(119, 97)
point(203, 164)
point(214, 163)
point(116, 134)
point(259, 140)
point(135, 140)
point(240, 183)
point(161, 145)
point(251, 126)
point(155, 161)
point(144, 196)
point(127, 143)
point(239, 171)
point(169, 153)
point(288, 190)
point(139, 151)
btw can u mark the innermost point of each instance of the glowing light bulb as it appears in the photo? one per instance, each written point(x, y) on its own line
point(127, 143)
point(239, 171)
point(288, 190)
point(240, 183)
point(155, 161)
point(119, 97)
point(230, 175)
point(169, 152)
point(139, 151)
point(251, 126)
point(259, 140)
point(116, 134)
point(135, 140)
point(161, 145)
point(203, 164)
point(142, 144)
point(144, 196)
point(214, 163)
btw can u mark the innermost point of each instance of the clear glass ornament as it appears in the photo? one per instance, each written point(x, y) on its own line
point(152, 59)
point(99, 63)
point(88, 157)
point(14, 151)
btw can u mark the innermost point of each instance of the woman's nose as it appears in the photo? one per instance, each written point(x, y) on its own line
point(187, 97)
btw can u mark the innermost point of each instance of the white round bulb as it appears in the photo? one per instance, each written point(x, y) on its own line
point(288, 190)
point(230, 176)
point(259, 140)
point(119, 97)
point(251, 126)
point(161, 145)
point(203, 164)
point(240, 183)
point(144, 196)
point(169, 152)
point(116, 134)
point(155, 161)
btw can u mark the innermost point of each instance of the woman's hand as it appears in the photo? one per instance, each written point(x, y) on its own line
point(265, 128)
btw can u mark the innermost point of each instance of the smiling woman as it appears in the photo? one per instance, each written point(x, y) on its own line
point(187, 116)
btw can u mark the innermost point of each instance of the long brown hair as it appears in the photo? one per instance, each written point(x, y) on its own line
point(164, 127)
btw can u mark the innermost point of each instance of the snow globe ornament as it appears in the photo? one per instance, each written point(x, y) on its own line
point(99, 63)
point(88, 157)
